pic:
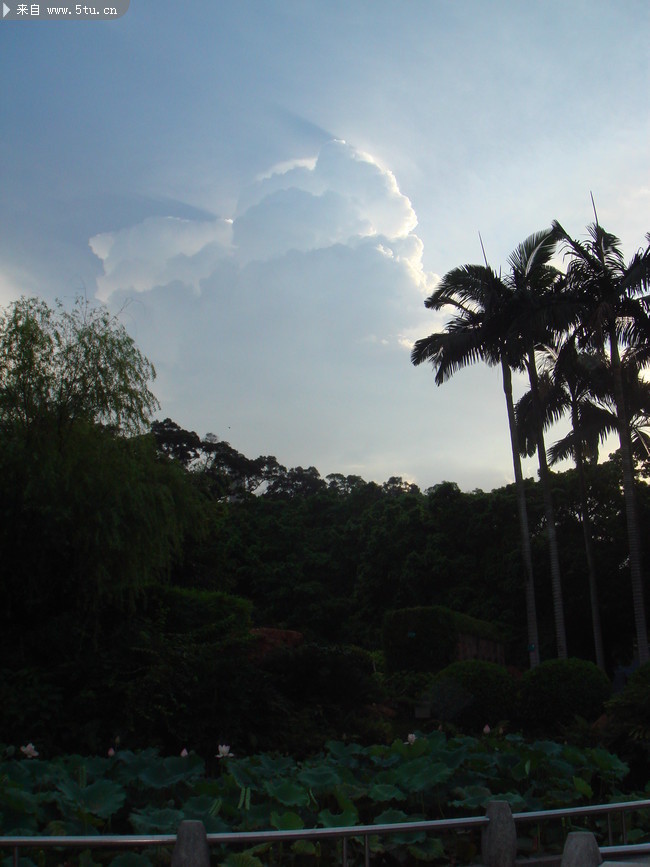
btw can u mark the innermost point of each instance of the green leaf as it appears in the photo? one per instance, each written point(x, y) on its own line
point(166, 773)
point(321, 778)
point(241, 859)
point(102, 798)
point(421, 774)
point(244, 775)
point(152, 821)
point(583, 787)
point(287, 793)
point(385, 792)
point(430, 849)
point(206, 810)
point(130, 859)
point(305, 847)
point(287, 821)
point(472, 797)
point(390, 817)
point(345, 819)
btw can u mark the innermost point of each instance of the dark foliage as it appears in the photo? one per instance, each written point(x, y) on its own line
point(471, 694)
point(558, 691)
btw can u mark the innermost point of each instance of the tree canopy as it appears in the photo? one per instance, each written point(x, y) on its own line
point(59, 366)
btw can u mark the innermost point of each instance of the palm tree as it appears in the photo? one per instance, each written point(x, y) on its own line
point(479, 296)
point(537, 312)
point(568, 379)
point(614, 313)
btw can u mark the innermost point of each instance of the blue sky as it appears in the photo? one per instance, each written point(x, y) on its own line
point(268, 191)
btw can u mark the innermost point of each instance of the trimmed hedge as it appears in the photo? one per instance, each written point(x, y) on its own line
point(472, 693)
point(559, 690)
point(426, 638)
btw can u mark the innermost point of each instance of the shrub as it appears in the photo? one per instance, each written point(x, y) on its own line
point(419, 639)
point(426, 638)
point(629, 711)
point(628, 724)
point(326, 674)
point(559, 690)
point(472, 693)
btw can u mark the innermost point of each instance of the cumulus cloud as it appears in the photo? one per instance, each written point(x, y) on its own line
point(296, 318)
point(341, 197)
point(158, 251)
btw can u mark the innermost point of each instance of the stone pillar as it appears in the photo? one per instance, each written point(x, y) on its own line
point(581, 850)
point(499, 839)
point(191, 849)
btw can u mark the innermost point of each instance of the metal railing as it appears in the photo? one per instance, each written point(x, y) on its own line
point(247, 838)
point(594, 810)
point(344, 834)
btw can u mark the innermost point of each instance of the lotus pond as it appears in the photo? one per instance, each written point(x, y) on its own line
point(429, 777)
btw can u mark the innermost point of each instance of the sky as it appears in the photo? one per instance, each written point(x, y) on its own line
point(266, 191)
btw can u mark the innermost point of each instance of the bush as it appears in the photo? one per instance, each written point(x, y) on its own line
point(419, 639)
point(629, 711)
point(314, 693)
point(426, 638)
point(472, 693)
point(186, 678)
point(628, 724)
point(559, 690)
point(326, 674)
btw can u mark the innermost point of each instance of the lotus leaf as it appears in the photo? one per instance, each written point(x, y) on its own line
point(288, 793)
point(130, 859)
point(287, 821)
point(320, 779)
point(22, 862)
point(345, 754)
point(306, 847)
point(166, 773)
point(429, 850)
point(471, 797)
point(338, 820)
point(385, 792)
point(244, 774)
point(206, 809)
point(421, 774)
point(151, 821)
point(102, 798)
point(241, 859)
point(393, 817)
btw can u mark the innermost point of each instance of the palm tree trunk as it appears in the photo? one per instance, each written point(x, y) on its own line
point(589, 541)
point(551, 531)
point(631, 511)
point(531, 610)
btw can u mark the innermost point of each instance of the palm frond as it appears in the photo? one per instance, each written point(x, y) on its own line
point(447, 352)
point(533, 254)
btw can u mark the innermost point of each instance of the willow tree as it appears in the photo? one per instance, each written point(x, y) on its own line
point(89, 512)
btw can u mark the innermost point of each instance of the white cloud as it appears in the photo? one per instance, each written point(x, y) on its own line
point(296, 339)
point(158, 251)
point(341, 197)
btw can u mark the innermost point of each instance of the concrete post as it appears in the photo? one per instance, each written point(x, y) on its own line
point(581, 850)
point(499, 839)
point(191, 849)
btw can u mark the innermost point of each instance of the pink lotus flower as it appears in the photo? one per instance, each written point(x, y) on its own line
point(30, 751)
point(486, 730)
point(411, 739)
point(184, 752)
point(111, 751)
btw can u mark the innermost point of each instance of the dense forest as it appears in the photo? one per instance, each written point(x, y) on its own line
point(164, 589)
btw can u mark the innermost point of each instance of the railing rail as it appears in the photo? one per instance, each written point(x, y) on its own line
point(365, 832)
